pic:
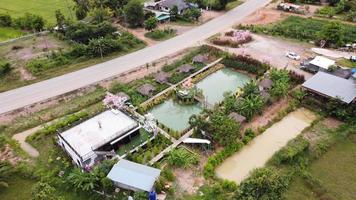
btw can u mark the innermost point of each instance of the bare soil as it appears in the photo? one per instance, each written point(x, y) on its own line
point(7, 154)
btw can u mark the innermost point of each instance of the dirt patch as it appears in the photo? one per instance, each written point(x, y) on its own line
point(331, 123)
point(264, 16)
point(7, 154)
point(273, 51)
point(25, 75)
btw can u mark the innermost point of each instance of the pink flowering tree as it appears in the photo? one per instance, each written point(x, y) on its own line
point(114, 101)
point(241, 36)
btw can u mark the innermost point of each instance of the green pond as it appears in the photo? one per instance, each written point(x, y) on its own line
point(176, 116)
point(173, 115)
point(225, 80)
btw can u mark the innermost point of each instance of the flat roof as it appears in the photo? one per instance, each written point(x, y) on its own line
point(322, 62)
point(134, 175)
point(97, 131)
point(332, 86)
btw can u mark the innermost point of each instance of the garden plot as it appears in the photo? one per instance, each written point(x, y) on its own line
point(261, 149)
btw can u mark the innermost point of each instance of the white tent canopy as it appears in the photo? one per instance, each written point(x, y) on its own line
point(322, 62)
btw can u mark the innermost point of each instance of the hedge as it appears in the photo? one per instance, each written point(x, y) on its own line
point(61, 124)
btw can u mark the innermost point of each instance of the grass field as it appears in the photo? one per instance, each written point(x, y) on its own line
point(233, 4)
point(9, 33)
point(336, 172)
point(44, 8)
point(346, 63)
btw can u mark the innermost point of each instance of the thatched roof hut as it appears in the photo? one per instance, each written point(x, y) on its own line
point(146, 89)
point(266, 83)
point(186, 68)
point(200, 58)
point(237, 117)
point(123, 95)
point(162, 77)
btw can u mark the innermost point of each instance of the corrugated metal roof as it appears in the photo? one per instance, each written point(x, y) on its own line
point(332, 86)
point(134, 175)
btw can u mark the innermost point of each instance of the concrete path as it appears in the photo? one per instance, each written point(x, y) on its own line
point(24, 96)
point(21, 138)
point(261, 149)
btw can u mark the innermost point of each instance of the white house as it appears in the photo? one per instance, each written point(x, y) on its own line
point(86, 142)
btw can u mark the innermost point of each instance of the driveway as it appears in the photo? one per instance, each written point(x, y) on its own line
point(273, 51)
point(24, 96)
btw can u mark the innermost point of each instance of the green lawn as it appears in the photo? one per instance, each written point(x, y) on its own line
point(346, 63)
point(233, 4)
point(135, 142)
point(336, 171)
point(9, 33)
point(44, 8)
point(161, 35)
point(19, 189)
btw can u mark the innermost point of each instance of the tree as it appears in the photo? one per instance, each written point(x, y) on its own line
point(192, 14)
point(250, 105)
point(60, 19)
point(99, 15)
point(332, 33)
point(250, 88)
point(81, 180)
point(223, 129)
point(43, 190)
point(174, 13)
point(134, 14)
point(281, 82)
point(151, 23)
point(30, 22)
point(81, 8)
point(5, 20)
point(264, 183)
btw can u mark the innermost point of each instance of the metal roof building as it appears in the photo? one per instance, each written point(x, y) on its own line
point(133, 176)
point(331, 86)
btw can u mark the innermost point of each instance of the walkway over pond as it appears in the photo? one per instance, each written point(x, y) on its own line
point(261, 149)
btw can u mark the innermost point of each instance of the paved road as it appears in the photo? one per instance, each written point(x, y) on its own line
point(41, 91)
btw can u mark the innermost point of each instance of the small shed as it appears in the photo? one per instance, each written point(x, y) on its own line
point(265, 84)
point(162, 77)
point(186, 68)
point(123, 95)
point(133, 176)
point(321, 62)
point(237, 117)
point(200, 58)
point(146, 89)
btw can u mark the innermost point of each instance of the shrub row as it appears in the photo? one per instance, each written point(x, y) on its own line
point(67, 122)
point(246, 63)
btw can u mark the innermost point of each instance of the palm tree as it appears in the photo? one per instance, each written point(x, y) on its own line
point(82, 180)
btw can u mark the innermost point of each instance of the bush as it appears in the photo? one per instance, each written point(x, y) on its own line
point(161, 34)
point(182, 158)
point(5, 20)
point(30, 22)
point(246, 63)
point(61, 124)
point(83, 32)
point(5, 68)
point(264, 183)
point(292, 152)
point(151, 23)
point(216, 159)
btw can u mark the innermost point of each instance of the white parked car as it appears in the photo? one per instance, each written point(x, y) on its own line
point(293, 55)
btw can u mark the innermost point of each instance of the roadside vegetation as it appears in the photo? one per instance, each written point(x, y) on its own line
point(321, 32)
point(161, 34)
